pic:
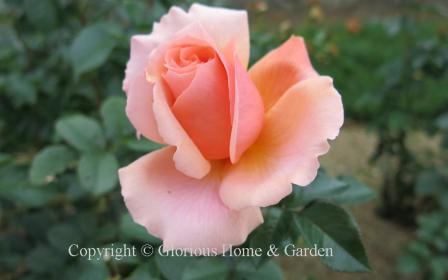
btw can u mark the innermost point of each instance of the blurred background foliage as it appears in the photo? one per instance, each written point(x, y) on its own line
point(63, 134)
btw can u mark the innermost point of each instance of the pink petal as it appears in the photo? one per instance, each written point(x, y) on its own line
point(137, 88)
point(184, 212)
point(225, 26)
point(192, 34)
point(169, 24)
point(139, 108)
point(248, 113)
point(203, 110)
point(188, 158)
point(141, 46)
point(178, 82)
point(294, 134)
point(280, 69)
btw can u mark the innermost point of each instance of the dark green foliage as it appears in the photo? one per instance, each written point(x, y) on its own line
point(329, 226)
point(428, 254)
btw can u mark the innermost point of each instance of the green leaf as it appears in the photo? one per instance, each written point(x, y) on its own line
point(28, 196)
point(9, 41)
point(91, 47)
point(44, 259)
point(143, 145)
point(50, 162)
point(429, 182)
point(61, 236)
point(87, 270)
point(324, 186)
point(98, 172)
point(408, 264)
point(343, 190)
point(172, 267)
point(247, 271)
point(439, 267)
point(114, 117)
point(442, 121)
point(81, 132)
point(14, 186)
point(210, 268)
point(277, 230)
point(354, 192)
point(21, 90)
point(326, 225)
point(5, 158)
point(143, 272)
point(132, 231)
point(41, 14)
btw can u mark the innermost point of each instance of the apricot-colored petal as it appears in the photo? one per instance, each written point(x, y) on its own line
point(247, 111)
point(178, 82)
point(225, 26)
point(280, 69)
point(294, 134)
point(188, 158)
point(192, 34)
point(184, 212)
point(142, 45)
point(203, 110)
point(139, 108)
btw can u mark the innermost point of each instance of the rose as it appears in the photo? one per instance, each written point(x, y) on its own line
point(236, 140)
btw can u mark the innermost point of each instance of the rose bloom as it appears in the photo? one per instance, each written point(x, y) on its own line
point(235, 138)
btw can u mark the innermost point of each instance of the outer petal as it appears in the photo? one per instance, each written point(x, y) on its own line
point(294, 134)
point(247, 113)
point(184, 212)
point(225, 26)
point(203, 110)
point(141, 47)
point(169, 24)
point(139, 109)
point(139, 91)
point(280, 69)
point(188, 158)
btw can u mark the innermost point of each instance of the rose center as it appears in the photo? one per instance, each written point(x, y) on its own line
point(199, 98)
point(182, 59)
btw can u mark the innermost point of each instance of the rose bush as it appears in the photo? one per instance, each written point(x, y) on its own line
point(235, 139)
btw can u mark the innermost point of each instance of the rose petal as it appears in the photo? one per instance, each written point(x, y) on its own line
point(225, 26)
point(170, 23)
point(192, 34)
point(141, 47)
point(137, 88)
point(294, 134)
point(184, 212)
point(139, 108)
point(280, 69)
point(178, 82)
point(248, 112)
point(203, 110)
point(188, 158)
